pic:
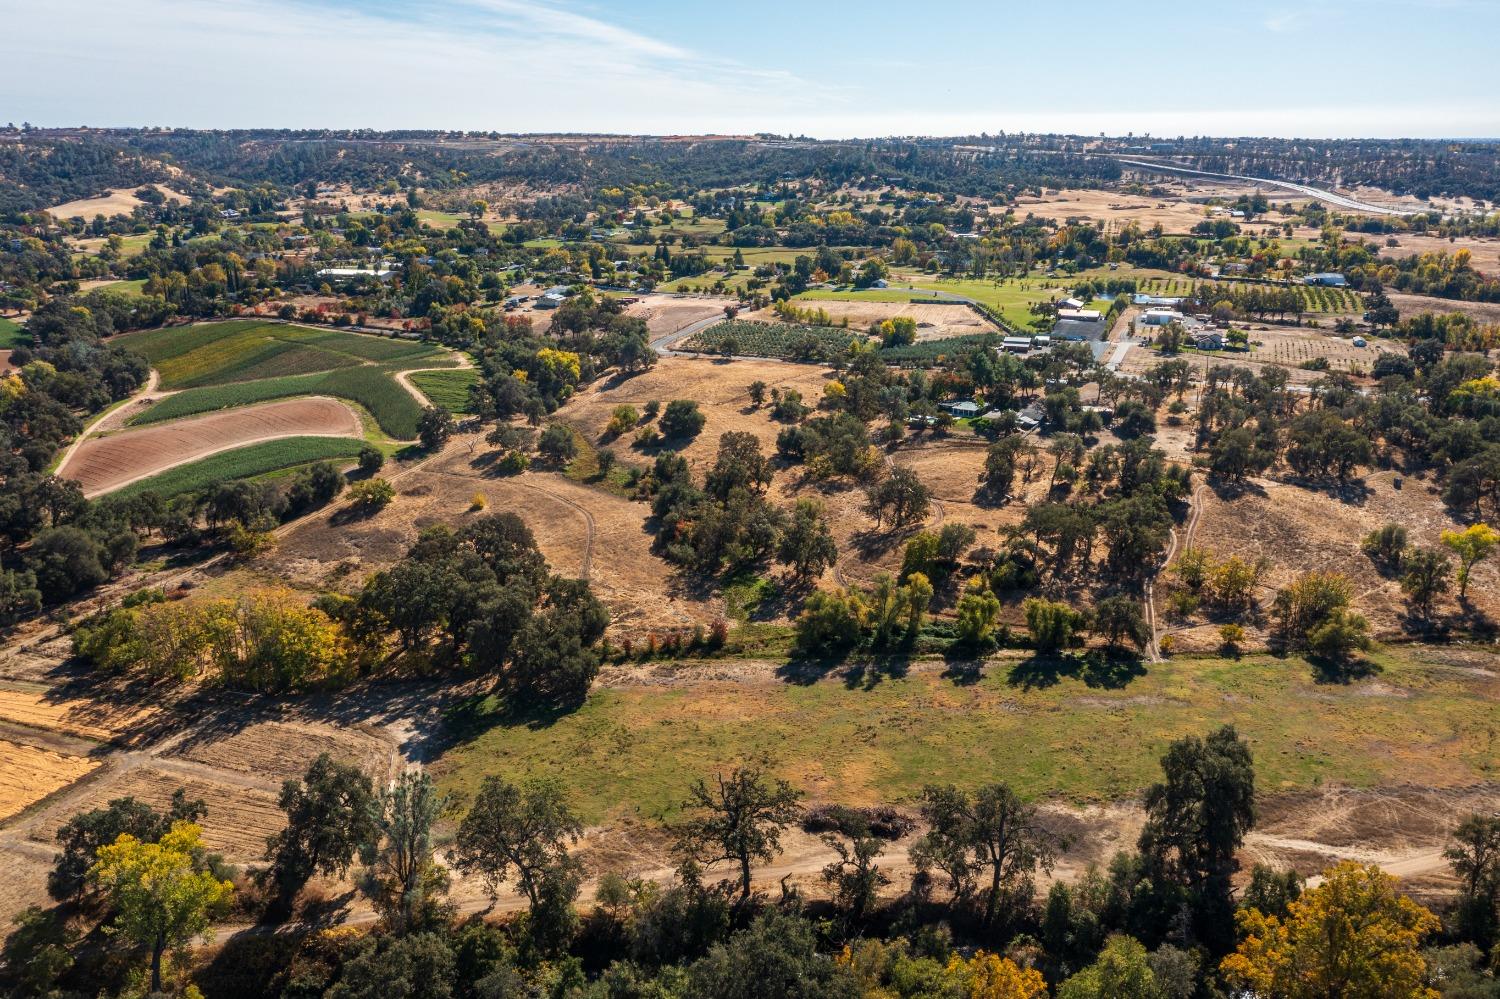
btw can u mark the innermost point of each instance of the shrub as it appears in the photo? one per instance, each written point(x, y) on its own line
point(371, 460)
point(512, 463)
point(1384, 545)
point(1054, 626)
point(1232, 635)
point(682, 419)
point(478, 502)
point(371, 494)
point(622, 419)
point(557, 444)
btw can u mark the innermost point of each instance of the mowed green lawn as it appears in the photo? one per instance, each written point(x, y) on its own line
point(633, 750)
point(242, 351)
point(11, 335)
point(245, 463)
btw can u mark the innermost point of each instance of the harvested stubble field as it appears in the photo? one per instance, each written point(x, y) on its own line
point(102, 464)
point(241, 814)
point(277, 751)
point(30, 773)
point(99, 720)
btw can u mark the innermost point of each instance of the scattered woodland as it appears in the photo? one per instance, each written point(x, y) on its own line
point(477, 565)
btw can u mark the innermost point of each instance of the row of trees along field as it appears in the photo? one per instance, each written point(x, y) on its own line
point(1164, 920)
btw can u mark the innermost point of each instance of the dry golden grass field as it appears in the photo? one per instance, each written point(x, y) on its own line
point(120, 202)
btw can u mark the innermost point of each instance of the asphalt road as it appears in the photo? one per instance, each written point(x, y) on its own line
point(1312, 192)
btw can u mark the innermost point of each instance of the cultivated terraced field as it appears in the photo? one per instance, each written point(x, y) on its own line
point(103, 464)
point(229, 364)
point(448, 389)
point(239, 351)
point(283, 454)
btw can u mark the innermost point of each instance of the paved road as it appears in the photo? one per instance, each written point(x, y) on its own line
point(1312, 192)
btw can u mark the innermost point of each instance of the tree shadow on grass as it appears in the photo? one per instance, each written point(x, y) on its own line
point(1095, 668)
point(806, 667)
point(870, 673)
point(1341, 671)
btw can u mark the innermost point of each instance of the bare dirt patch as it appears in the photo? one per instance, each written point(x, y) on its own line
point(666, 314)
point(934, 322)
point(30, 773)
point(112, 461)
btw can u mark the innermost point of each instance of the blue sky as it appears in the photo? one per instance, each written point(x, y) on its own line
point(1309, 68)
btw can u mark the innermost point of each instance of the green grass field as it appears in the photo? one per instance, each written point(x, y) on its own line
point(222, 353)
point(130, 289)
point(245, 463)
point(440, 220)
point(633, 750)
point(11, 335)
point(1012, 299)
point(448, 389)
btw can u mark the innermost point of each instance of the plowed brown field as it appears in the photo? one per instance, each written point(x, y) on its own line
point(103, 464)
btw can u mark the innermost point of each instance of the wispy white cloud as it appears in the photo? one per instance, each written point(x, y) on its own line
point(559, 23)
point(1282, 21)
point(512, 65)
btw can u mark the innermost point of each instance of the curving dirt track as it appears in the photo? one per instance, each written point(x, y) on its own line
point(103, 464)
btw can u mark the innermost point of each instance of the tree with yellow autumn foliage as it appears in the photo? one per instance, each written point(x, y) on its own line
point(990, 976)
point(159, 897)
point(1352, 937)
